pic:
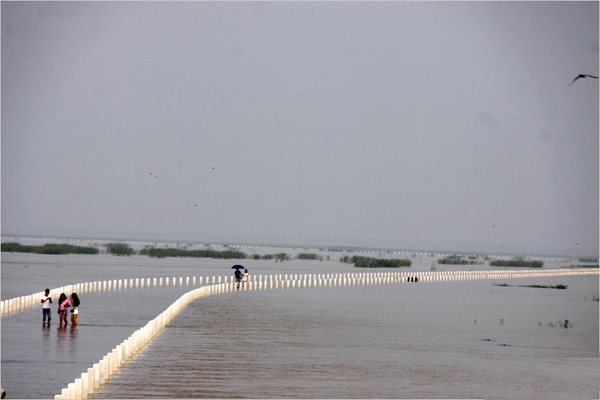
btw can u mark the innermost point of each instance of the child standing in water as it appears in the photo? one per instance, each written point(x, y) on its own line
point(63, 308)
point(75, 310)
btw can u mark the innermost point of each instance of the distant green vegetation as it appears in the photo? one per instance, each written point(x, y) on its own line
point(278, 257)
point(309, 256)
point(457, 260)
point(370, 262)
point(281, 257)
point(162, 253)
point(588, 260)
point(119, 249)
point(518, 262)
point(559, 286)
point(48, 248)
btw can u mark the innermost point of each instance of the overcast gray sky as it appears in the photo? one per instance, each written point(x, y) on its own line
point(347, 123)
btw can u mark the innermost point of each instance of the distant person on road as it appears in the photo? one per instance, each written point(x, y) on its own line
point(75, 310)
point(63, 308)
point(246, 277)
point(46, 301)
point(238, 277)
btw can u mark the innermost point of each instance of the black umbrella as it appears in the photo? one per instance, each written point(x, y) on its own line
point(238, 266)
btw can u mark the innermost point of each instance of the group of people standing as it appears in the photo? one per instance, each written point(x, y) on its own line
point(65, 305)
point(241, 277)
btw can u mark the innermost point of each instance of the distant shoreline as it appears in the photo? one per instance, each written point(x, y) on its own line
point(138, 244)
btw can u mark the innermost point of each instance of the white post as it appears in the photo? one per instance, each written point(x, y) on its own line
point(91, 373)
point(84, 385)
point(96, 376)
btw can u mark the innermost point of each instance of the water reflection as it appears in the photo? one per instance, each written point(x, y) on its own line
point(61, 339)
point(73, 339)
point(66, 340)
point(45, 339)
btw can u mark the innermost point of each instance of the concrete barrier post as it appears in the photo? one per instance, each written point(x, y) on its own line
point(120, 358)
point(115, 361)
point(84, 385)
point(76, 388)
point(102, 371)
point(91, 373)
point(96, 376)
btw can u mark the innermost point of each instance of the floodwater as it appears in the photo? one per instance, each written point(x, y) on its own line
point(437, 340)
point(456, 340)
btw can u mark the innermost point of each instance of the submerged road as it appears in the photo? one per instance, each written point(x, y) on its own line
point(51, 357)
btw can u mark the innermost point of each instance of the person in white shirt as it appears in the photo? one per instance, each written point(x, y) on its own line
point(46, 301)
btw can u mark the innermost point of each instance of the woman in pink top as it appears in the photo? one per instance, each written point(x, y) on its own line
point(63, 308)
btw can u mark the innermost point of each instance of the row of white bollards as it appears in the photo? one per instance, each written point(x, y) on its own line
point(19, 303)
point(23, 302)
point(91, 381)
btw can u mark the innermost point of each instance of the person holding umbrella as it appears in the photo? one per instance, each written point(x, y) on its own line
point(238, 274)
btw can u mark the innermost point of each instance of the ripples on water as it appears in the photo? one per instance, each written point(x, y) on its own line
point(385, 341)
point(50, 358)
point(394, 341)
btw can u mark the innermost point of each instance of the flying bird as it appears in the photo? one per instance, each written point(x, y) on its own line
point(582, 76)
